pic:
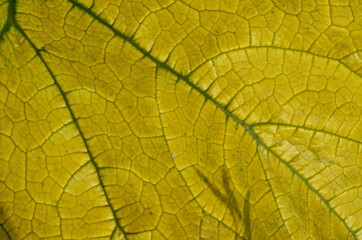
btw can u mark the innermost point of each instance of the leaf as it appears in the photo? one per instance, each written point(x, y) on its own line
point(180, 120)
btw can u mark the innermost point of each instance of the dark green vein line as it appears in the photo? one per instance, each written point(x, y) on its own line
point(10, 20)
point(75, 121)
point(163, 65)
point(166, 67)
point(5, 231)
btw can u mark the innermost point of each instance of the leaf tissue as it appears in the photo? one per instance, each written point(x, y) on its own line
point(191, 119)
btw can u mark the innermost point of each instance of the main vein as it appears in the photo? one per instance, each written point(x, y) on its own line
point(74, 119)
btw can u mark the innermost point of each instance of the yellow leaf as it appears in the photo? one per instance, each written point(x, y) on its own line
point(180, 119)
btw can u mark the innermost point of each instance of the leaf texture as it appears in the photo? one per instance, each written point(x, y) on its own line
point(190, 119)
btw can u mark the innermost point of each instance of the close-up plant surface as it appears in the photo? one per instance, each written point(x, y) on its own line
point(192, 119)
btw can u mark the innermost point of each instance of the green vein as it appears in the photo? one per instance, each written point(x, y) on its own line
point(5, 231)
point(10, 20)
point(75, 121)
point(186, 79)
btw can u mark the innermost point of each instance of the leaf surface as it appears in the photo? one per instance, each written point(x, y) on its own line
point(180, 119)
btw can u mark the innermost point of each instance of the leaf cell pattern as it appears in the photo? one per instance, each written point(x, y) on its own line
point(189, 119)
